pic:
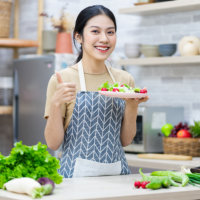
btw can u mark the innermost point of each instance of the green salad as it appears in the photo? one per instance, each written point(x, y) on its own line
point(117, 87)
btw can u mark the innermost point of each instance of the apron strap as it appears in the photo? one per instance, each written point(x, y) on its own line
point(82, 77)
point(108, 66)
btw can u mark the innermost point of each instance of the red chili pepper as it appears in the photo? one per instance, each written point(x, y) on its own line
point(104, 89)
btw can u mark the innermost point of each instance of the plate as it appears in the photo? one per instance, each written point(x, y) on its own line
point(123, 94)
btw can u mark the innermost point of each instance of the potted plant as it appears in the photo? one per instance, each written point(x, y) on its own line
point(182, 139)
point(64, 25)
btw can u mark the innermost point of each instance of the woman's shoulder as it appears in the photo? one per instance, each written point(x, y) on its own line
point(69, 74)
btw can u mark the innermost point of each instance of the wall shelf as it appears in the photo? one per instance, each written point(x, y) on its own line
point(6, 110)
point(176, 60)
point(17, 43)
point(162, 7)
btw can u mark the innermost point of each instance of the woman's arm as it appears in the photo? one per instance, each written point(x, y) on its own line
point(129, 127)
point(54, 130)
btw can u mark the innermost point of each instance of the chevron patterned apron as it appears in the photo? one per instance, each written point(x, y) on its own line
point(92, 145)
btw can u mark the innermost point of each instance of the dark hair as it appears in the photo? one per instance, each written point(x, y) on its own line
point(85, 15)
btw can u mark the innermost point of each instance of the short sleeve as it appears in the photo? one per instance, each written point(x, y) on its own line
point(51, 88)
point(131, 81)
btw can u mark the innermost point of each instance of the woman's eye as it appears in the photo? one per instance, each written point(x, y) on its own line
point(111, 32)
point(95, 31)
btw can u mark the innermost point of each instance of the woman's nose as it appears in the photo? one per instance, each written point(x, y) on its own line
point(103, 37)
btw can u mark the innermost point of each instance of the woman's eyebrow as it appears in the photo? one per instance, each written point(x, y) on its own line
point(112, 27)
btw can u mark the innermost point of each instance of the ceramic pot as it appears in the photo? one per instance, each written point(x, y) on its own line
point(49, 40)
point(64, 43)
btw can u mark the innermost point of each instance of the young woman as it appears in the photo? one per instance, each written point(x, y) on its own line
point(92, 127)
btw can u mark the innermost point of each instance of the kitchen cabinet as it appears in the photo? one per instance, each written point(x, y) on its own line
point(109, 187)
point(161, 8)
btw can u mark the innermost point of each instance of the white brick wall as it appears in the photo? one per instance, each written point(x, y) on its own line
point(167, 85)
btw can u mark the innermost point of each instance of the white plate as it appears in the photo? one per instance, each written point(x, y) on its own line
point(123, 94)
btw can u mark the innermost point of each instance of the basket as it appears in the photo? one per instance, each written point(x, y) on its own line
point(5, 13)
point(182, 146)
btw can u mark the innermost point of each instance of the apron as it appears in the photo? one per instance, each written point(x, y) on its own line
point(92, 145)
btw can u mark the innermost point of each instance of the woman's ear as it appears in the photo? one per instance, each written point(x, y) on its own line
point(78, 38)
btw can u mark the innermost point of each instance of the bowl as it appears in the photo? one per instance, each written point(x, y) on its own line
point(167, 49)
point(150, 50)
point(132, 50)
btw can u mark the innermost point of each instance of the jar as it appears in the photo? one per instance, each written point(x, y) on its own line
point(6, 91)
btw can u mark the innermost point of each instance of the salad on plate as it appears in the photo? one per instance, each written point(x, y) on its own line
point(121, 90)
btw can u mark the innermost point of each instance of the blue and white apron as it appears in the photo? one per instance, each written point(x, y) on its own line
point(92, 145)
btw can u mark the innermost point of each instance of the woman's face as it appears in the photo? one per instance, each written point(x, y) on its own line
point(99, 37)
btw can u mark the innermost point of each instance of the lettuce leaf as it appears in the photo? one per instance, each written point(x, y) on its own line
point(29, 161)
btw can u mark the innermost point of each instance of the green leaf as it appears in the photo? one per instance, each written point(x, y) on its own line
point(29, 161)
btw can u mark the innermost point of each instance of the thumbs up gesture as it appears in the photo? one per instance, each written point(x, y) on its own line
point(65, 92)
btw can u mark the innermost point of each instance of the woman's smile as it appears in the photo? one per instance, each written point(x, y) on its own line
point(102, 49)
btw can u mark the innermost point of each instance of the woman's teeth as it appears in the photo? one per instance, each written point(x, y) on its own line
point(102, 49)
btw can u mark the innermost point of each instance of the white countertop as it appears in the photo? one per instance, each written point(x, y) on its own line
point(108, 188)
point(134, 161)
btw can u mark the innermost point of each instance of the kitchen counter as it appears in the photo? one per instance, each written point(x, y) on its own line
point(134, 161)
point(108, 188)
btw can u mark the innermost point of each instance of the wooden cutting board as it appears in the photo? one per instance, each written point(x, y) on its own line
point(164, 156)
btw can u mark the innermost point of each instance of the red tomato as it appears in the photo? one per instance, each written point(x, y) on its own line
point(143, 90)
point(104, 89)
point(183, 134)
point(115, 90)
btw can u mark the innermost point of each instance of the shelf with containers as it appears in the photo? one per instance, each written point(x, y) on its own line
point(161, 8)
point(15, 43)
point(171, 60)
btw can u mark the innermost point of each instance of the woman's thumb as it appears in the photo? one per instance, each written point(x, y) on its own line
point(59, 78)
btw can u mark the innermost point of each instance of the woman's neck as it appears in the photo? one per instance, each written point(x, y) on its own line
point(93, 66)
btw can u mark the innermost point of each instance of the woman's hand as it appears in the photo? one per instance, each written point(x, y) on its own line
point(65, 92)
point(136, 101)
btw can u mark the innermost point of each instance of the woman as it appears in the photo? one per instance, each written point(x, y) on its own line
point(93, 128)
